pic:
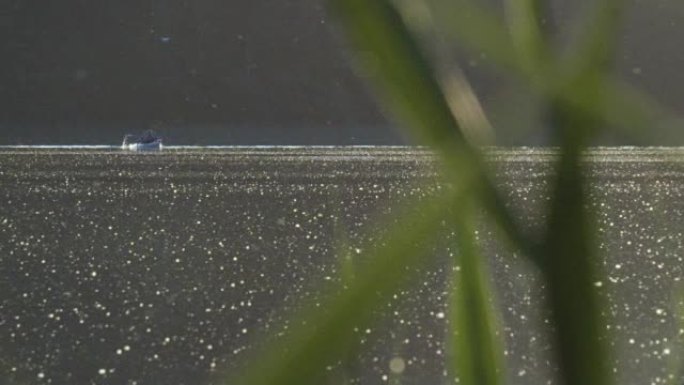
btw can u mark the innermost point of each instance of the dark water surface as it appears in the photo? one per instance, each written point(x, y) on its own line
point(119, 268)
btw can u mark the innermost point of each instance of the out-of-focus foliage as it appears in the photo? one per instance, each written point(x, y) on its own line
point(580, 97)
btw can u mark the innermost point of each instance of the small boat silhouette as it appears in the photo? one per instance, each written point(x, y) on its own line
point(148, 141)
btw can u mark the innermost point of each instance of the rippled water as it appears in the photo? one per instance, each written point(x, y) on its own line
point(123, 268)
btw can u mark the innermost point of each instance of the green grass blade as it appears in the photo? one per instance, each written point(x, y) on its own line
point(323, 335)
point(676, 345)
point(569, 261)
point(475, 343)
point(341, 242)
point(584, 75)
point(524, 21)
point(570, 268)
point(479, 29)
point(414, 95)
point(568, 252)
point(342, 249)
point(596, 47)
point(631, 112)
point(466, 107)
point(403, 74)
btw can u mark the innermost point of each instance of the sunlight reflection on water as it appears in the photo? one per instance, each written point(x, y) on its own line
point(126, 268)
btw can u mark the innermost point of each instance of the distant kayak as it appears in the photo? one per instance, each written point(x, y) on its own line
point(148, 141)
point(153, 146)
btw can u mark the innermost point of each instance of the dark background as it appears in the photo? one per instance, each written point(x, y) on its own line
point(252, 72)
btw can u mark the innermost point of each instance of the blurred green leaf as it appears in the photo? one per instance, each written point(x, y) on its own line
point(341, 242)
point(478, 28)
point(676, 346)
point(524, 21)
point(411, 91)
point(405, 77)
point(632, 112)
point(466, 107)
point(593, 51)
point(320, 336)
point(576, 110)
point(475, 342)
point(343, 251)
point(570, 268)
point(569, 259)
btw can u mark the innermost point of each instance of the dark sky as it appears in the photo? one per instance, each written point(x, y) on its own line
point(239, 72)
